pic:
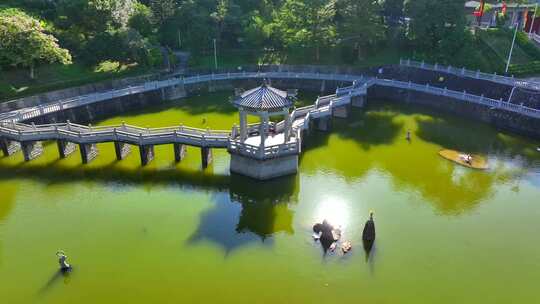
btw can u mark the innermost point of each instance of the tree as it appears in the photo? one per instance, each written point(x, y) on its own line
point(359, 24)
point(94, 16)
point(163, 10)
point(392, 11)
point(437, 27)
point(227, 16)
point(141, 19)
point(23, 42)
point(306, 23)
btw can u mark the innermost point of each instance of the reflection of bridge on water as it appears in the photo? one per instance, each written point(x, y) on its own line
point(16, 135)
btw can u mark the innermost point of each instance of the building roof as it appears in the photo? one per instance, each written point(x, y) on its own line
point(475, 4)
point(264, 98)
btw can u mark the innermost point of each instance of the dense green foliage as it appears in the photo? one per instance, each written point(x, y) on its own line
point(134, 30)
point(23, 42)
point(145, 33)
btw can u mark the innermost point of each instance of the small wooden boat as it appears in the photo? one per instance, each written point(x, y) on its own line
point(464, 159)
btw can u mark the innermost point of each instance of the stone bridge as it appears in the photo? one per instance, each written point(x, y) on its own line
point(16, 135)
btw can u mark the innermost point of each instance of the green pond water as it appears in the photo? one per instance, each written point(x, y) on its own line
point(174, 233)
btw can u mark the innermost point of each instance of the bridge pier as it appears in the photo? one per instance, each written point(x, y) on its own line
point(88, 152)
point(9, 147)
point(31, 149)
point(147, 154)
point(65, 148)
point(358, 101)
point(211, 87)
point(121, 150)
point(179, 152)
point(173, 92)
point(322, 124)
point(206, 156)
point(341, 112)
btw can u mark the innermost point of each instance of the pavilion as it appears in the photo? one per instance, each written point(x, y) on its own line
point(264, 150)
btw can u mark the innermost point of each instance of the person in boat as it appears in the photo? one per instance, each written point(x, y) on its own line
point(468, 159)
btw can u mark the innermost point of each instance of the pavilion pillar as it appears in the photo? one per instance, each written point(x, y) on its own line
point(9, 147)
point(147, 154)
point(287, 130)
point(65, 148)
point(179, 152)
point(243, 126)
point(121, 149)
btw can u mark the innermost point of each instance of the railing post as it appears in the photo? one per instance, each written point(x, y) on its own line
point(436, 66)
point(477, 73)
point(463, 71)
point(422, 64)
point(409, 62)
point(445, 91)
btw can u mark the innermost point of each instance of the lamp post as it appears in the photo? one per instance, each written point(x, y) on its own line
point(215, 54)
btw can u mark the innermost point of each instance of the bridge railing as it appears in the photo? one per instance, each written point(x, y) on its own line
point(267, 152)
point(472, 74)
point(521, 109)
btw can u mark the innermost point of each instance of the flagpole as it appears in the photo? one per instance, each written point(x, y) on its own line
point(511, 48)
point(532, 21)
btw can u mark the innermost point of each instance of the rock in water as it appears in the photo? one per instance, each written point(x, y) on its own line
point(346, 247)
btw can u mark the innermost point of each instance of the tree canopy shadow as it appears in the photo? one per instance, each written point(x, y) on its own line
point(449, 132)
point(372, 127)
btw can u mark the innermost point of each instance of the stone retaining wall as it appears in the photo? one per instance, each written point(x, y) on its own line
point(504, 120)
point(453, 82)
point(52, 96)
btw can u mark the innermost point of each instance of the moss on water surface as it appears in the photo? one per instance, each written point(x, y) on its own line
point(176, 233)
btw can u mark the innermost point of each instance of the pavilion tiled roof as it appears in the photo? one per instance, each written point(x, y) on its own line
point(264, 98)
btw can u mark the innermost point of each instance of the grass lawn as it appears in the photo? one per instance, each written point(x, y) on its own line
point(235, 58)
point(501, 44)
point(17, 83)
